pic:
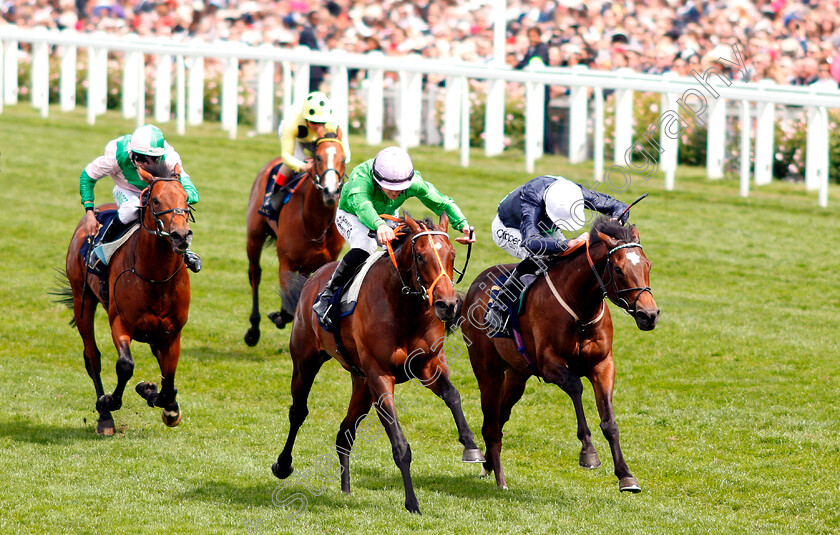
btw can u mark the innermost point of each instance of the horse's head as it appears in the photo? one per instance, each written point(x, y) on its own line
point(328, 168)
point(428, 252)
point(164, 208)
point(627, 272)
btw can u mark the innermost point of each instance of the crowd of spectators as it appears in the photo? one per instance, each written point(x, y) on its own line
point(789, 41)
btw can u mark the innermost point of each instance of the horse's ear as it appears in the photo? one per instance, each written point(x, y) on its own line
point(145, 175)
point(608, 240)
point(635, 233)
point(444, 222)
point(412, 224)
point(144, 197)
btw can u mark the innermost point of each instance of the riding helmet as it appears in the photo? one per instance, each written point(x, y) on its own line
point(148, 140)
point(317, 108)
point(393, 169)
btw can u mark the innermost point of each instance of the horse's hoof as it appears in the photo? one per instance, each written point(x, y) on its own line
point(473, 456)
point(629, 484)
point(413, 508)
point(281, 473)
point(278, 318)
point(108, 403)
point(252, 337)
point(590, 460)
point(171, 418)
point(484, 473)
point(144, 388)
point(105, 427)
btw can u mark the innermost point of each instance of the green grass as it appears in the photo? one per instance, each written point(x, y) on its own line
point(727, 410)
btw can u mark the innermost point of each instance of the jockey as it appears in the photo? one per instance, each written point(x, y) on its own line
point(308, 122)
point(123, 156)
point(380, 186)
point(528, 224)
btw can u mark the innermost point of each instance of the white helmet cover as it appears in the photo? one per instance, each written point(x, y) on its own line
point(148, 140)
point(393, 169)
point(564, 205)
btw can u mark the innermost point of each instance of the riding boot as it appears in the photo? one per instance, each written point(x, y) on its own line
point(192, 261)
point(342, 274)
point(497, 317)
point(113, 231)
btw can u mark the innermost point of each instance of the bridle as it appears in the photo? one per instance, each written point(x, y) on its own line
point(619, 301)
point(424, 293)
point(159, 226)
point(318, 179)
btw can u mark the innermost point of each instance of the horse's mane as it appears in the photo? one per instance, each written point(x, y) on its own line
point(157, 169)
point(402, 236)
point(611, 228)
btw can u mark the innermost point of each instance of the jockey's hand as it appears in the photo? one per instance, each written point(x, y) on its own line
point(384, 233)
point(571, 244)
point(90, 225)
point(468, 237)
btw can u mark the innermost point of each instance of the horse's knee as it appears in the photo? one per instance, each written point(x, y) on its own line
point(125, 368)
point(402, 452)
point(93, 365)
point(297, 414)
point(609, 427)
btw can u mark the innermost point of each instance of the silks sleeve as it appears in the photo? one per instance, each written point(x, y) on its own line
point(192, 193)
point(438, 203)
point(86, 185)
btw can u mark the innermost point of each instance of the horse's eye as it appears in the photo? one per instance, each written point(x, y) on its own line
point(156, 202)
point(618, 270)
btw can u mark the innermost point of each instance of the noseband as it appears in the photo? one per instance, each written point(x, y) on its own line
point(619, 301)
point(159, 226)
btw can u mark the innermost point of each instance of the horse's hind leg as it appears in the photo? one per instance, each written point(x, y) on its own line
point(603, 379)
point(305, 370)
point(167, 357)
point(571, 385)
point(93, 358)
point(490, 375)
point(254, 249)
point(440, 384)
point(357, 412)
point(288, 297)
point(125, 367)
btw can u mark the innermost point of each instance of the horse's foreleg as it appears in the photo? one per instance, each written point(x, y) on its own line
point(167, 356)
point(603, 379)
point(571, 385)
point(254, 249)
point(93, 358)
point(382, 388)
point(287, 308)
point(435, 376)
point(357, 413)
point(303, 375)
point(491, 379)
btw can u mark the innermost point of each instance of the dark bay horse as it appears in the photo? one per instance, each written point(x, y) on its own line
point(305, 232)
point(395, 334)
point(567, 332)
point(148, 297)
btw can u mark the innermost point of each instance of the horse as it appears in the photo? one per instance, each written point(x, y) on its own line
point(567, 333)
point(148, 296)
point(305, 232)
point(396, 334)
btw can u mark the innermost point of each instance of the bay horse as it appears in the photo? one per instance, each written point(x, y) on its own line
point(148, 296)
point(567, 334)
point(305, 232)
point(396, 334)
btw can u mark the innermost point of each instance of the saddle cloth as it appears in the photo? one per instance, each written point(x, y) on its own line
point(98, 258)
point(291, 184)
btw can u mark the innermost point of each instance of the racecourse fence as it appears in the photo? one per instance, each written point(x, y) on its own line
point(702, 98)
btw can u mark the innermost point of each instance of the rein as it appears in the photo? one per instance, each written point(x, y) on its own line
point(619, 301)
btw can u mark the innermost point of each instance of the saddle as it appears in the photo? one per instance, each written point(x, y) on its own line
point(98, 254)
point(343, 302)
point(291, 186)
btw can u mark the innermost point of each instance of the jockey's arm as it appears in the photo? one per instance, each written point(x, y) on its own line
point(287, 146)
point(437, 202)
point(189, 187)
point(531, 238)
point(345, 143)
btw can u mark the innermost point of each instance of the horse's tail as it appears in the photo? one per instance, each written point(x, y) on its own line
point(295, 282)
point(62, 292)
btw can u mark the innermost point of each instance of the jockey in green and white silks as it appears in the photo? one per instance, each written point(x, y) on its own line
point(120, 161)
point(380, 186)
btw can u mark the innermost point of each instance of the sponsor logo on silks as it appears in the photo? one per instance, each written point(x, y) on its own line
point(503, 234)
